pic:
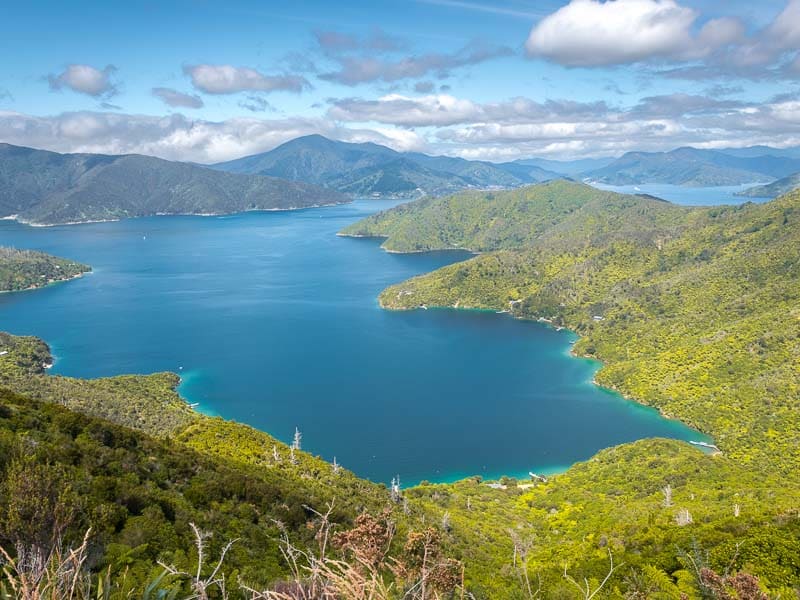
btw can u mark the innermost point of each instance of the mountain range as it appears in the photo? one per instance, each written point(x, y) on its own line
point(42, 187)
point(693, 167)
point(368, 169)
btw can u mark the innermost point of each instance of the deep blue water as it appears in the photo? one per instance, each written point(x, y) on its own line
point(693, 196)
point(275, 323)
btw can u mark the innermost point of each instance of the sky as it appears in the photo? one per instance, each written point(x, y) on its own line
point(207, 81)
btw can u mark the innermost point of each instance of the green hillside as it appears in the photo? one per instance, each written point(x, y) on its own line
point(368, 169)
point(692, 166)
point(777, 188)
point(25, 269)
point(692, 310)
point(48, 188)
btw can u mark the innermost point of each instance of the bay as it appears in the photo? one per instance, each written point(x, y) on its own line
point(272, 320)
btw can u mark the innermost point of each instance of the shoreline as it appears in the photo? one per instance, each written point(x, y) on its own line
point(220, 214)
point(594, 381)
point(48, 284)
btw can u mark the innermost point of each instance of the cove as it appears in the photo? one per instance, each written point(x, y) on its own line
point(272, 320)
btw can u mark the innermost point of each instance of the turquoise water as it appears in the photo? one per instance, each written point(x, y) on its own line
point(272, 320)
point(693, 196)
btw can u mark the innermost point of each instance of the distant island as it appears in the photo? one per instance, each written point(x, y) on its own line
point(46, 188)
point(28, 269)
point(774, 189)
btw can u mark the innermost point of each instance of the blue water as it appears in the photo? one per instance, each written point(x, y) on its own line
point(692, 196)
point(275, 322)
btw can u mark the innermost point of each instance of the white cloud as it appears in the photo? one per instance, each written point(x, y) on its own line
point(784, 31)
point(397, 109)
point(177, 137)
point(593, 33)
point(175, 98)
point(227, 79)
point(597, 33)
point(85, 79)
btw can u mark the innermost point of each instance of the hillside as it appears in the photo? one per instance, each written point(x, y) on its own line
point(691, 166)
point(140, 488)
point(481, 221)
point(25, 269)
point(692, 310)
point(372, 170)
point(41, 187)
point(784, 185)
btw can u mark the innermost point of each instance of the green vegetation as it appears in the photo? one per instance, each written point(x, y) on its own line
point(692, 166)
point(777, 188)
point(47, 188)
point(693, 310)
point(25, 269)
point(373, 170)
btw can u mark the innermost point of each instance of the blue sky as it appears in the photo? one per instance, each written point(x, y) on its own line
point(208, 81)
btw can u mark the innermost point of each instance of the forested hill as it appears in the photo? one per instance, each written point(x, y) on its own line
point(482, 221)
point(373, 170)
point(692, 166)
point(25, 269)
point(693, 310)
point(42, 187)
point(784, 185)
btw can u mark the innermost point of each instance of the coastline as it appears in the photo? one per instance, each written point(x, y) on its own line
point(47, 284)
point(160, 214)
point(706, 438)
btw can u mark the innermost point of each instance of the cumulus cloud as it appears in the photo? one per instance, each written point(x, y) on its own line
point(596, 33)
point(177, 137)
point(85, 79)
point(227, 79)
point(522, 126)
point(592, 33)
point(175, 98)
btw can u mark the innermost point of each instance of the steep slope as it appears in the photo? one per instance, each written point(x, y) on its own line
point(691, 166)
point(48, 188)
point(25, 269)
point(371, 169)
point(777, 188)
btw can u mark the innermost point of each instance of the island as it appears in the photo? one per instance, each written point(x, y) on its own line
point(29, 269)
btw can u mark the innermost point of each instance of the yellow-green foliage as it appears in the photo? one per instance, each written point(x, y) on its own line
point(700, 318)
point(145, 402)
point(616, 501)
point(693, 310)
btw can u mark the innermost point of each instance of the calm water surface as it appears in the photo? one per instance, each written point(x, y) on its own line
point(693, 196)
point(275, 323)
